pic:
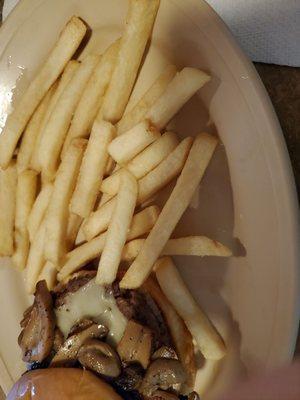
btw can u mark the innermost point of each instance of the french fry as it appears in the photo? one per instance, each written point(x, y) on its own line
point(105, 198)
point(141, 224)
point(200, 246)
point(139, 23)
point(8, 187)
point(185, 84)
point(36, 259)
point(81, 238)
point(31, 133)
point(159, 177)
point(67, 75)
point(48, 274)
point(138, 112)
point(81, 255)
point(144, 162)
point(72, 230)
point(92, 95)
point(125, 147)
point(65, 47)
point(26, 193)
point(132, 249)
point(117, 230)
point(38, 210)
point(58, 210)
point(165, 172)
point(92, 169)
point(182, 338)
point(191, 175)
point(59, 121)
point(109, 166)
point(205, 334)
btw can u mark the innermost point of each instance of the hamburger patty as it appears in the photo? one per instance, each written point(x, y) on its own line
point(133, 304)
point(140, 307)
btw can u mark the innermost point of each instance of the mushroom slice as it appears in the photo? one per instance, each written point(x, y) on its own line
point(162, 395)
point(81, 326)
point(193, 396)
point(162, 374)
point(26, 316)
point(131, 378)
point(58, 340)
point(165, 352)
point(135, 345)
point(101, 358)
point(36, 339)
point(67, 354)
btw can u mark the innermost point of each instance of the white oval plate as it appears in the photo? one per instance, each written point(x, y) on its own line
point(252, 297)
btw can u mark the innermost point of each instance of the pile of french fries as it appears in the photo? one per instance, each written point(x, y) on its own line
point(77, 171)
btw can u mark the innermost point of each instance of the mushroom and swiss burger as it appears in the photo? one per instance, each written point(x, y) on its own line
point(80, 174)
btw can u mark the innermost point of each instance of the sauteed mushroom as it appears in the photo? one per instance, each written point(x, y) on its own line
point(162, 374)
point(36, 339)
point(163, 395)
point(100, 357)
point(136, 344)
point(193, 396)
point(164, 352)
point(67, 354)
point(131, 377)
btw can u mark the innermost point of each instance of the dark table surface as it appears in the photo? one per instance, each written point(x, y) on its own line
point(283, 86)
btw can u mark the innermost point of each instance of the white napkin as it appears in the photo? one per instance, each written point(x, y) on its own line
point(267, 30)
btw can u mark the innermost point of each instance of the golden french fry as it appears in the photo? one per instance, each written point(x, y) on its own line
point(153, 155)
point(67, 75)
point(165, 172)
point(81, 238)
point(182, 338)
point(65, 47)
point(81, 255)
point(8, 188)
point(159, 177)
point(38, 210)
point(58, 210)
point(99, 220)
point(31, 133)
point(48, 274)
point(125, 147)
point(144, 162)
point(36, 258)
point(58, 124)
point(139, 23)
point(109, 166)
point(138, 112)
point(205, 334)
point(74, 224)
point(195, 246)
point(142, 223)
point(191, 175)
point(117, 230)
point(200, 246)
point(92, 169)
point(26, 193)
point(132, 249)
point(92, 95)
point(185, 84)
